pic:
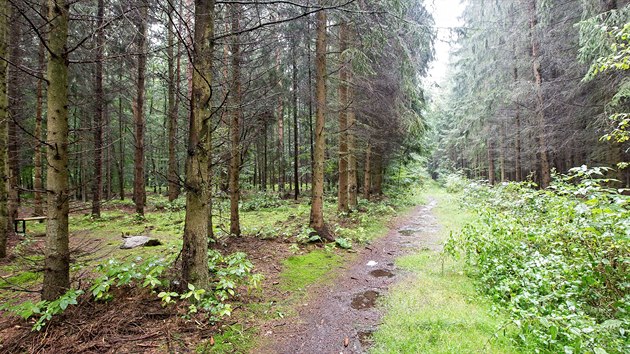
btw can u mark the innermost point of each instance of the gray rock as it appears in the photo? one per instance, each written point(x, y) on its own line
point(138, 241)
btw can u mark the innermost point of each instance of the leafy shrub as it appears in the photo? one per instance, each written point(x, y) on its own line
point(228, 274)
point(45, 310)
point(556, 259)
point(262, 200)
point(455, 183)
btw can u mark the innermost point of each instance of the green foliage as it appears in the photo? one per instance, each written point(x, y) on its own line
point(619, 58)
point(45, 310)
point(229, 273)
point(262, 200)
point(455, 182)
point(116, 273)
point(343, 243)
point(307, 234)
point(556, 259)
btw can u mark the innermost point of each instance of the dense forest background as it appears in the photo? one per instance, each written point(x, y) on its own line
point(522, 97)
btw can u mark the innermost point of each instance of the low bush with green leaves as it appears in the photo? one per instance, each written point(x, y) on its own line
point(557, 259)
point(228, 274)
point(455, 182)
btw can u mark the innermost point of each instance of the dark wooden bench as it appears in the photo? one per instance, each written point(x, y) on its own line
point(17, 221)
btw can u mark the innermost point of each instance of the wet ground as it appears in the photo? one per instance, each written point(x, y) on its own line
point(341, 318)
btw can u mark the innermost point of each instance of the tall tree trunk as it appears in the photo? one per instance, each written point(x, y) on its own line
point(352, 158)
point(317, 201)
point(502, 152)
point(38, 184)
point(367, 172)
point(296, 152)
point(198, 185)
point(97, 182)
point(107, 141)
point(543, 155)
point(377, 169)
point(57, 254)
point(280, 119)
point(4, 116)
point(342, 195)
point(235, 125)
point(173, 80)
point(139, 193)
point(15, 114)
point(310, 102)
point(491, 167)
point(121, 143)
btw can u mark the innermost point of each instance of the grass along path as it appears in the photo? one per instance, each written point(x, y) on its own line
point(438, 310)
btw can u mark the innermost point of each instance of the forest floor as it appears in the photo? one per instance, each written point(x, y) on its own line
point(392, 292)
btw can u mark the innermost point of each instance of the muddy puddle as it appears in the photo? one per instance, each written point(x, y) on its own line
point(379, 273)
point(408, 232)
point(364, 300)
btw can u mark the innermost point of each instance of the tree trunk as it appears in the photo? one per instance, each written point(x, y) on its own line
point(377, 184)
point(173, 80)
point(502, 152)
point(280, 119)
point(491, 168)
point(317, 201)
point(545, 170)
point(352, 160)
point(198, 185)
point(121, 144)
point(367, 172)
point(342, 195)
point(38, 183)
point(4, 115)
point(296, 152)
point(16, 109)
point(139, 193)
point(235, 125)
point(97, 182)
point(57, 254)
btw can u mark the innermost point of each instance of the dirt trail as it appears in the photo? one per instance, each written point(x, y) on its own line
point(346, 309)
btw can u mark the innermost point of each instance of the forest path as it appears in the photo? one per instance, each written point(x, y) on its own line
point(339, 317)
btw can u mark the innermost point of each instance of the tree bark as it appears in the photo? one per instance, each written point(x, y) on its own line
point(15, 114)
point(57, 254)
point(367, 173)
point(97, 182)
point(317, 201)
point(235, 125)
point(4, 115)
point(352, 158)
point(342, 195)
point(198, 187)
point(377, 169)
point(491, 167)
point(545, 170)
point(38, 183)
point(296, 152)
point(121, 143)
point(173, 80)
point(139, 193)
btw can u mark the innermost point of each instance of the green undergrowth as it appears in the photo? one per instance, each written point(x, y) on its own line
point(231, 339)
point(556, 260)
point(438, 310)
point(301, 271)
